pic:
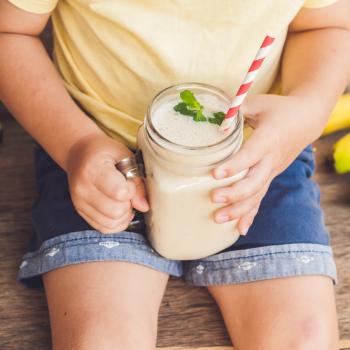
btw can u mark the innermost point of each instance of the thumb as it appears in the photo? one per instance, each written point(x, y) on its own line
point(139, 200)
point(253, 105)
point(253, 108)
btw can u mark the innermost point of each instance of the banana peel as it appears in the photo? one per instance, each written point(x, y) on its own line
point(340, 117)
point(341, 155)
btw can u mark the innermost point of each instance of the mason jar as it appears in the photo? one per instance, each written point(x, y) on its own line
point(179, 181)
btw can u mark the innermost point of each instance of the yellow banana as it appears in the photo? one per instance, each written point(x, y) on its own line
point(340, 117)
point(341, 155)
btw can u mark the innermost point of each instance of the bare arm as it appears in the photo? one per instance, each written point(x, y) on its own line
point(35, 94)
point(316, 61)
point(315, 71)
point(31, 88)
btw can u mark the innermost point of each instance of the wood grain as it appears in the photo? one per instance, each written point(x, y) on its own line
point(343, 345)
point(188, 317)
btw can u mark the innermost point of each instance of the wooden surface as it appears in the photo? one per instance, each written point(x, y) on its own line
point(188, 316)
point(343, 345)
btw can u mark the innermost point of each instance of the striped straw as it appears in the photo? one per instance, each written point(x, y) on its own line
point(247, 83)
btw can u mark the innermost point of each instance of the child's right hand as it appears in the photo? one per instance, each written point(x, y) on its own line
point(100, 193)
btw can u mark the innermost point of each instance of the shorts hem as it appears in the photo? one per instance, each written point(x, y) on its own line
point(262, 263)
point(91, 246)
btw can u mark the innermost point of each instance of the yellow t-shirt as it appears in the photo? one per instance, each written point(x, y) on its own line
point(115, 55)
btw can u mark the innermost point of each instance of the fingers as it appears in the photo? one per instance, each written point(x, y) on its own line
point(139, 201)
point(113, 184)
point(238, 209)
point(99, 210)
point(104, 224)
point(244, 209)
point(105, 199)
point(104, 205)
point(246, 221)
point(251, 153)
point(252, 183)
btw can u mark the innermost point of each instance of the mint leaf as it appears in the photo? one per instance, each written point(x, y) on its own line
point(199, 117)
point(183, 109)
point(191, 107)
point(188, 98)
point(217, 118)
point(219, 115)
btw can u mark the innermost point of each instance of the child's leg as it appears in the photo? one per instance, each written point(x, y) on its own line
point(289, 313)
point(104, 305)
point(274, 286)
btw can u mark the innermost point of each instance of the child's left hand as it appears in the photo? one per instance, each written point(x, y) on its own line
point(280, 134)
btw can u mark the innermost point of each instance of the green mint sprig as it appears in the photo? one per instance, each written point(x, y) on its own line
point(192, 108)
point(217, 118)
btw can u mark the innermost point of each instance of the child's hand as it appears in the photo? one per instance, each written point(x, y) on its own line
point(100, 193)
point(279, 136)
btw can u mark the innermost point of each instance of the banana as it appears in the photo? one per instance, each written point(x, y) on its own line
point(340, 117)
point(341, 155)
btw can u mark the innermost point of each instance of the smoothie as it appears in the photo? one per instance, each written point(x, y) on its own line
point(179, 155)
point(183, 130)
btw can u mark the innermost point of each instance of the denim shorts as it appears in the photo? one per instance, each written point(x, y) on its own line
point(288, 236)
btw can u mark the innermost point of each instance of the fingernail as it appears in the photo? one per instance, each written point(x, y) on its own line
point(220, 173)
point(220, 199)
point(144, 203)
point(244, 230)
point(222, 218)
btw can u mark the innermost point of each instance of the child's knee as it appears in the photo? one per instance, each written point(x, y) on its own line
point(307, 333)
point(94, 342)
point(314, 332)
point(95, 336)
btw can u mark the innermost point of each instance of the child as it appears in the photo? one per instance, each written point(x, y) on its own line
point(112, 58)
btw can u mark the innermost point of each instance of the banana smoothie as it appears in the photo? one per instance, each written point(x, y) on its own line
point(180, 147)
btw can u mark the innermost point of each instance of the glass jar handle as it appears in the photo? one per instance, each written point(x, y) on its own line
point(132, 167)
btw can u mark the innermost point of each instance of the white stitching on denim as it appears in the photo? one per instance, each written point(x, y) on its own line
point(109, 244)
point(247, 265)
point(305, 259)
point(52, 252)
point(23, 264)
point(200, 269)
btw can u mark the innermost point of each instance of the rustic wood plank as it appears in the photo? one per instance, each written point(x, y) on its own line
point(206, 348)
point(188, 316)
point(343, 345)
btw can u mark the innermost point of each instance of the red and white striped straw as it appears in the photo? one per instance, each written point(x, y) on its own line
point(247, 83)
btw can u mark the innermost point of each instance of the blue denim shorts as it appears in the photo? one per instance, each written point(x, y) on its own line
point(288, 236)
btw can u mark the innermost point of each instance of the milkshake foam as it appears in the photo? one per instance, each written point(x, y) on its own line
point(182, 129)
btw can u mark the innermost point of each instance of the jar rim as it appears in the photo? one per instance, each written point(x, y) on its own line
point(181, 87)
